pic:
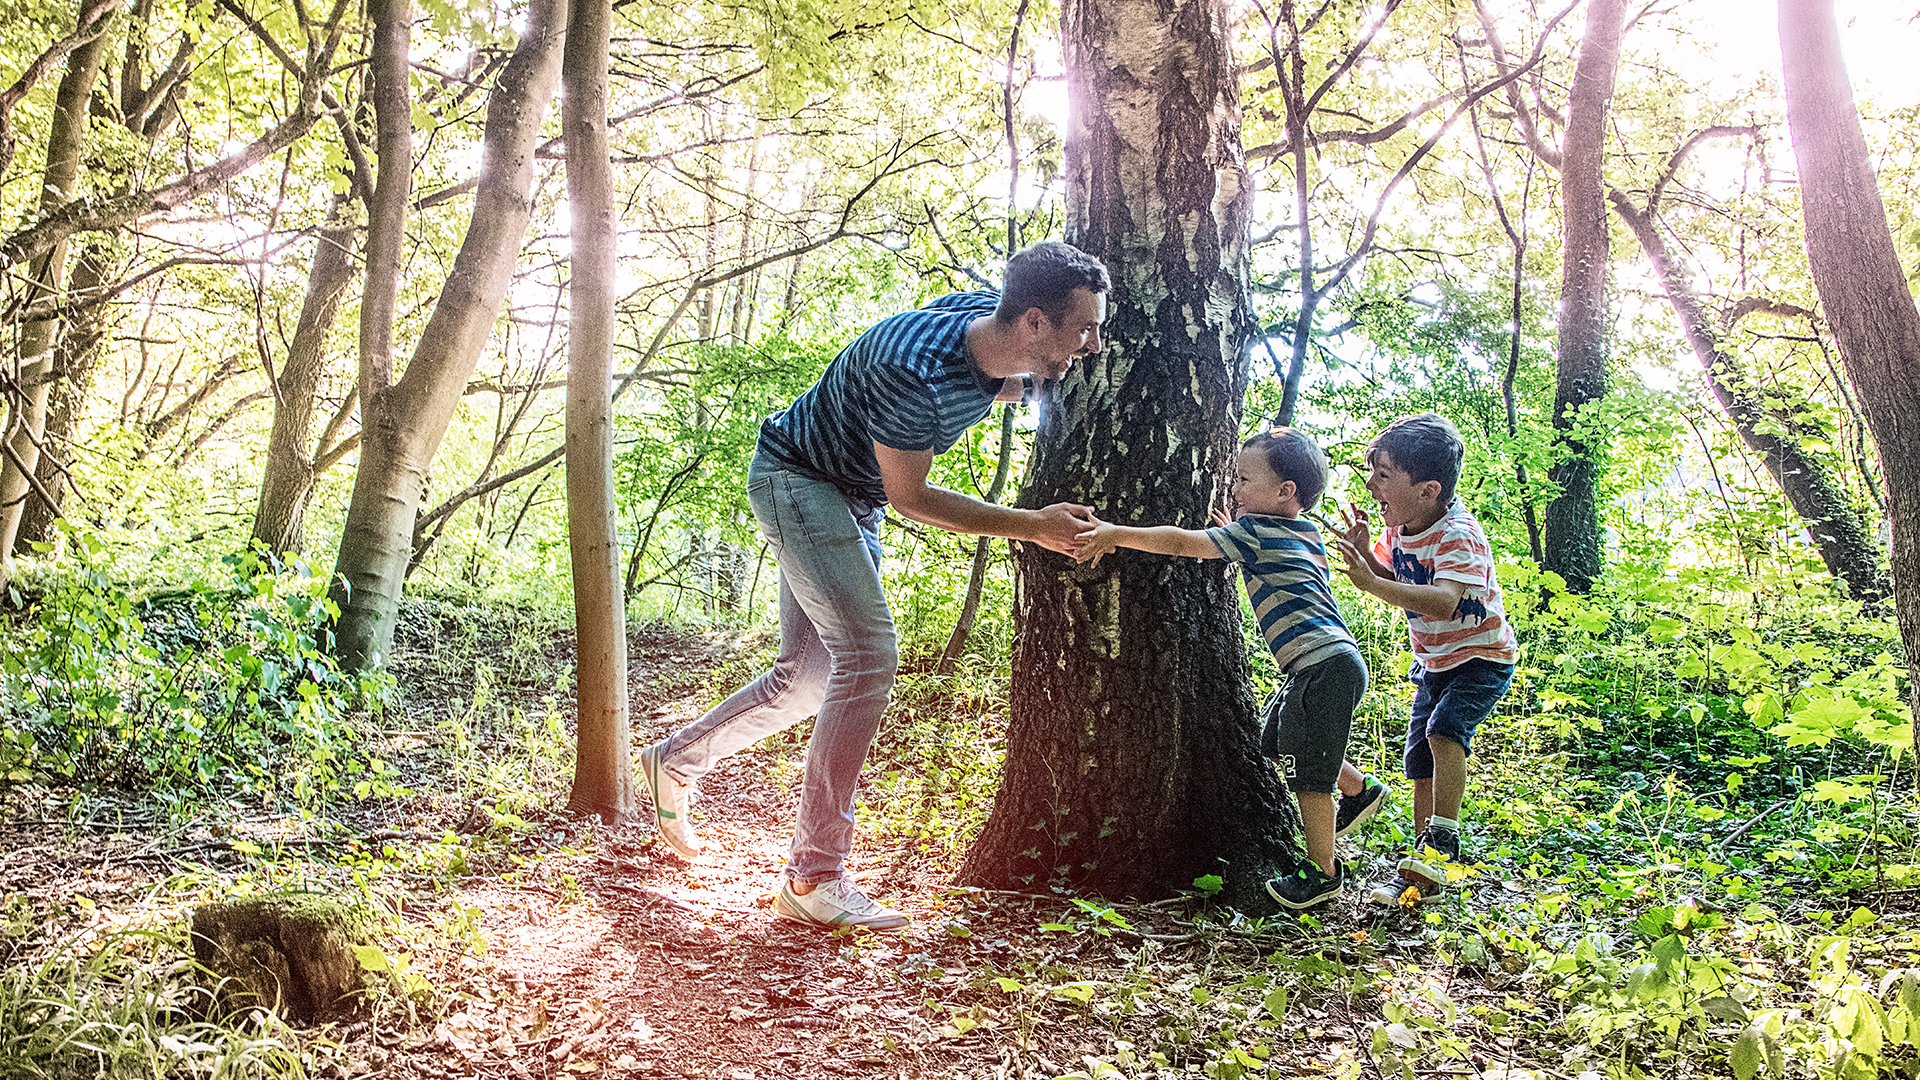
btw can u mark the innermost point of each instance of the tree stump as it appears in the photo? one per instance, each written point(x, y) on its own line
point(292, 952)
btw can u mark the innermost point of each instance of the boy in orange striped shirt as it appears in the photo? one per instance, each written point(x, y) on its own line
point(1435, 563)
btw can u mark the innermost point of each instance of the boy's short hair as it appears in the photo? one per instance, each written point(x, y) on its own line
point(1044, 276)
point(1425, 446)
point(1293, 455)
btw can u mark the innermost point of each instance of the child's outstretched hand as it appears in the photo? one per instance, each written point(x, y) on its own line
point(1097, 543)
point(1221, 518)
point(1354, 560)
point(1354, 526)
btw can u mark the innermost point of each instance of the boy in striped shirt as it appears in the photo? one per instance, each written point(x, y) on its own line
point(1435, 563)
point(1284, 562)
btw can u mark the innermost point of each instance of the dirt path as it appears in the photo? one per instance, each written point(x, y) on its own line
point(639, 964)
point(597, 952)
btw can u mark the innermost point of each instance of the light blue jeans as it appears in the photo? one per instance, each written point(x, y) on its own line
point(837, 660)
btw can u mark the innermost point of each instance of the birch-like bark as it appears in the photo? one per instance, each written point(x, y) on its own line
point(1132, 760)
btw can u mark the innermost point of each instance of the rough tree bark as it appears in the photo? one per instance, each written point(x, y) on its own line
point(279, 518)
point(1861, 284)
point(31, 376)
point(402, 424)
point(1132, 759)
point(1572, 544)
point(1845, 544)
point(603, 761)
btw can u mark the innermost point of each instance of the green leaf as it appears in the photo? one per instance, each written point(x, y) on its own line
point(1747, 1055)
point(372, 958)
point(1724, 1008)
point(1276, 1003)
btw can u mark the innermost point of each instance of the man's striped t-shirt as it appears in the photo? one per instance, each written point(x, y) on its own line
point(1454, 548)
point(1284, 562)
point(907, 383)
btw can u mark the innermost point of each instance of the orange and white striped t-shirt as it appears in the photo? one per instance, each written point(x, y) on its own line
point(1454, 548)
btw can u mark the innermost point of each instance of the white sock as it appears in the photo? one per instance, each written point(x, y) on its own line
point(1436, 821)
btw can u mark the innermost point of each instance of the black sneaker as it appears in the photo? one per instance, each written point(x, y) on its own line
point(1355, 810)
point(1308, 886)
point(1436, 850)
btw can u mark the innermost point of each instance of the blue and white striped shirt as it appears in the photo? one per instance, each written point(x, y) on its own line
point(1284, 562)
point(907, 383)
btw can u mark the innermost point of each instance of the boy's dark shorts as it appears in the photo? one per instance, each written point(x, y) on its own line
point(1307, 722)
point(1450, 704)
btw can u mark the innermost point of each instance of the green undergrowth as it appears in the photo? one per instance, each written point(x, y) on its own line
point(126, 1007)
point(1691, 826)
point(218, 685)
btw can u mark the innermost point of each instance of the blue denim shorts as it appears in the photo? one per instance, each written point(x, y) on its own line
point(1450, 705)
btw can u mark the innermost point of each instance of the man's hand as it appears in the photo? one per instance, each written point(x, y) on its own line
point(1062, 527)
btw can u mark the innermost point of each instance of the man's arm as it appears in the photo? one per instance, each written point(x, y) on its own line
point(904, 474)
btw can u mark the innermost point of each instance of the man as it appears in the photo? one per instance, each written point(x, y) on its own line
point(861, 438)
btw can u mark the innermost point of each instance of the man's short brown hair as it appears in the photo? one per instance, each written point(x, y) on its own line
point(1044, 276)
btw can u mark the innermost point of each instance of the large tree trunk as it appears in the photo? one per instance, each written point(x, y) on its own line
point(32, 372)
point(1845, 544)
point(1572, 544)
point(603, 766)
point(402, 425)
point(279, 518)
point(1132, 761)
point(1861, 284)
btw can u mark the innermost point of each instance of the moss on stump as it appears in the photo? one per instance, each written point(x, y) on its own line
point(292, 952)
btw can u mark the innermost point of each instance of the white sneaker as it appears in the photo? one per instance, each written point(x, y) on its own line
point(835, 903)
point(672, 804)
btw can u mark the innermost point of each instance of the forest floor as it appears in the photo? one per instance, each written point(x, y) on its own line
point(545, 947)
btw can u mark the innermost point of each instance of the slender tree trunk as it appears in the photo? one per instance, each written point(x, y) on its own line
point(147, 109)
point(1861, 284)
point(1132, 761)
point(402, 425)
point(279, 518)
point(1572, 544)
point(32, 369)
point(386, 484)
point(603, 766)
point(1845, 544)
point(71, 377)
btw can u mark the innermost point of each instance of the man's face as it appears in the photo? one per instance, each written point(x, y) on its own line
point(1054, 347)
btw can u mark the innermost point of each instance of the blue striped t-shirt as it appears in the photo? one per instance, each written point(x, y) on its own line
point(907, 383)
point(1284, 562)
